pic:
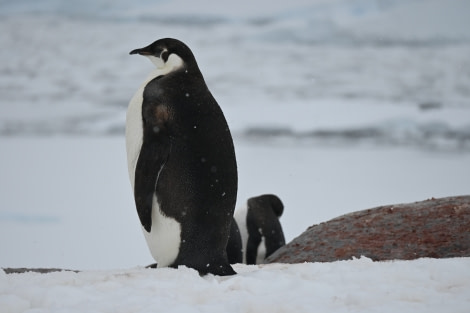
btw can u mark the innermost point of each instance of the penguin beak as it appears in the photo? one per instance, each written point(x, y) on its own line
point(141, 51)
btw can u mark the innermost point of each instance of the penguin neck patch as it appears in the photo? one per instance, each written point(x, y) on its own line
point(173, 63)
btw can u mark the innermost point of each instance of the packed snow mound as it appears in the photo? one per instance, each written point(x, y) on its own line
point(424, 285)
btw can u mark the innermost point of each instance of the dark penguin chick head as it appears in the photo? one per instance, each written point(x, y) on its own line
point(169, 54)
point(268, 201)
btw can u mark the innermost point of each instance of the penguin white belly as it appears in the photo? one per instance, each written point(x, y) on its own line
point(164, 238)
point(134, 123)
point(261, 253)
point(165, 235)
point(135, 127)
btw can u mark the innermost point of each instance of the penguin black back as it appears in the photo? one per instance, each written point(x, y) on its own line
point(258, 229)
point(262, 222)
point(181, 162)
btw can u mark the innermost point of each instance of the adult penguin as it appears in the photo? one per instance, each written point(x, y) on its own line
point(181, 163)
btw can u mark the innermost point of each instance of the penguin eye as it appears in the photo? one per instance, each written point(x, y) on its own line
point(164, 55)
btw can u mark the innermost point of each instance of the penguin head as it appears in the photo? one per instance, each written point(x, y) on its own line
point(267, 201)
point(168, 54)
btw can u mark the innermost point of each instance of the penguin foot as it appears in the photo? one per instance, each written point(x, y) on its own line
point(154, 265)
point(221, 269)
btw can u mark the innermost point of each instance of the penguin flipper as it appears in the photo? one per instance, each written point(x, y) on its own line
point(153, 155)
point(147, 169)
point(275, 239)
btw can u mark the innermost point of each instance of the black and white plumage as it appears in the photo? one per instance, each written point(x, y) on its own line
point(181, 162)
point(259, 230)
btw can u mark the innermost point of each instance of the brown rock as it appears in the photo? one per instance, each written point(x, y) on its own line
point(435, 228)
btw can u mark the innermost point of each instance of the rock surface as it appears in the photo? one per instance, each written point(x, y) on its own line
point(435, 228)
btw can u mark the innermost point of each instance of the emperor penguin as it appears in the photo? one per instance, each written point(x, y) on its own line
point(181, 162)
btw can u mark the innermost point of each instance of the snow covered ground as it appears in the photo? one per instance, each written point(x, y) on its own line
point(335, 106)
point(359, 285)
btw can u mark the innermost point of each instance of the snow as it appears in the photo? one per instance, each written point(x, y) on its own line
point(359, 285)
point(335, 106)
